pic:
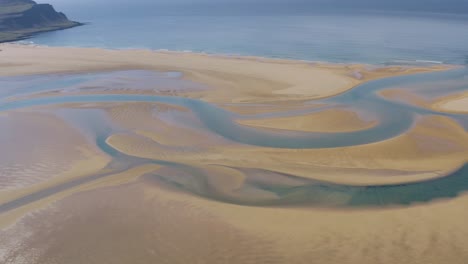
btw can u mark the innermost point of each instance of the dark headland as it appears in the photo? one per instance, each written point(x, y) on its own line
point(19, 19)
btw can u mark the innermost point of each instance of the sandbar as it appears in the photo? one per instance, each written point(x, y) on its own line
point(457, 103)
point(231, 79)
point(136, 216)
point(333, 120)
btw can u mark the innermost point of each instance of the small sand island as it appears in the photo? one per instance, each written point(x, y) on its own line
point(274, 161)
point(454, 103)
point(19, 19)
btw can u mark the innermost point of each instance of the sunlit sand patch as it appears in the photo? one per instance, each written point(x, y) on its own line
point(216, 182)
point(372, 72)
point(11, 217)
point(141, 82)
point(142, 116)
point(133, 223)
point(137, 81)
point(238, 88)
point(455, 103)
point(443, 95)
point(163, 199)
point(230, 79)
point(405, 97)
point(149, 222)
point(88, 166)
point(38, 147)
point(435, 88)
point(410, 152)
point(452, 103)
point(313, 234)
point(271, 108)
point(232, 183)
point(333, 120)
point(188, 141)
point(165, 124)
point(413, 156)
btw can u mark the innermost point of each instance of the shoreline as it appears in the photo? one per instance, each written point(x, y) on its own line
point(455, 103)
point(326, 121)
point(417, 63)
point(176, 176)
point(279, 83)
point(404, 64)
point(230, 78)
point(30, 35)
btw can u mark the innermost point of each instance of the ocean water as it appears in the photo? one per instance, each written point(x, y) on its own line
point(377, 38)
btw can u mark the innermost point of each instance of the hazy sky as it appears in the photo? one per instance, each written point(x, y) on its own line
point(456, 6)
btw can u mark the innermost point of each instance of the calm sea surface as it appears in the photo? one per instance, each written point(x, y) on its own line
point(383, 38)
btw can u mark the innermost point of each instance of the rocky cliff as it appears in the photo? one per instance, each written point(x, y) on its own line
point(20, 19)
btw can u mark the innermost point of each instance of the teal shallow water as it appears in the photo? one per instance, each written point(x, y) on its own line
point(383, 38)
point(394, 119)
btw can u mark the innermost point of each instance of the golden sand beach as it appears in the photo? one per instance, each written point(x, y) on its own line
point(232, 79)
point(333, 120)
point(457, 103)
point(174, 190)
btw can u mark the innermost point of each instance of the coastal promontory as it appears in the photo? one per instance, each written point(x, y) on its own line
point(19, 19)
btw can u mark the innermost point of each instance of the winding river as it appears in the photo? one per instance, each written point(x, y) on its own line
point(394, 118)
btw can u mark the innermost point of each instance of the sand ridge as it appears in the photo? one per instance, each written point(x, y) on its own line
point(191, 206)
point(235, 79)
point(332, 120)
point(457, 103)
point(408, 153)
point(432, 233)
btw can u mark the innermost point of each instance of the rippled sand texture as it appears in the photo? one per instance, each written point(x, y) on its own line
point(143, 222)
point(90, 173)
point(39, 147)
point(457, 103)
point(333, 120)
point(231, 79)
point(452, 98)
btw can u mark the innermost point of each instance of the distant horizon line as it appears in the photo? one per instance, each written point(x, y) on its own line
point(254, 8)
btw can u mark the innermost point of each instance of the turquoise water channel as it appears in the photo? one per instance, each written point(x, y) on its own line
point(394, 118)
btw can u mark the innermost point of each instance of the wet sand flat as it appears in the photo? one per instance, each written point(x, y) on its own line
point(163, 157)
point(233, 79)
point(146, 222)
point(457, 103)
point(334, 120)
point(39, 148)
point(438, 140)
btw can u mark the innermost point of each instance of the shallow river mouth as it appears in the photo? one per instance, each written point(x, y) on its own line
point(394, 119)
